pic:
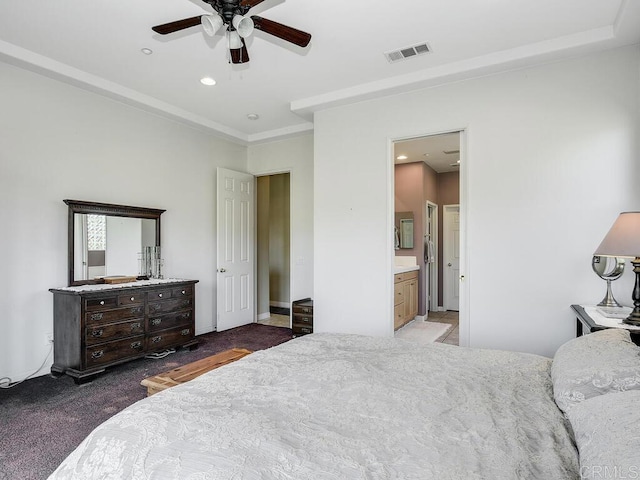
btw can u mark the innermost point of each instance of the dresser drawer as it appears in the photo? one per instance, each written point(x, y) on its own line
point(398, 293)
point(112, 351)
point(182, 291)
point(301, 329)
point(115, 315)
point(168, 338)
point(305, 320)
point(163, 322)
point(113, 331)
point(171, 305)
point(302, 309)
point(101, 303)
point(131, 298)
point(160, 294)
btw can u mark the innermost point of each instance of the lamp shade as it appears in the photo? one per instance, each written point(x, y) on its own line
point(623, 239)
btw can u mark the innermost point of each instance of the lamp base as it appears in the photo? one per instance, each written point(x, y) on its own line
point(634, 318)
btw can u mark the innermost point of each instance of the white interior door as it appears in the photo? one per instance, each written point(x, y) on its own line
point(451, 257)
point(235, 257)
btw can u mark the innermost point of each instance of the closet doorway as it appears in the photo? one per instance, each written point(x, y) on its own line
point(273, 238)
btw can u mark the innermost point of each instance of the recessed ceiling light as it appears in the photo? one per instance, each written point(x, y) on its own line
point(401, 157)
point(425, 154)
point(253, 116)
point(146, 51)
point(207, 81)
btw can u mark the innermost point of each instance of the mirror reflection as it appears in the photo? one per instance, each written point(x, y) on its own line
point(106, 245)
point(404, 229)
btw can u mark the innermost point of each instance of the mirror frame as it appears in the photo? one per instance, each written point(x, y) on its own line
point(79, 206)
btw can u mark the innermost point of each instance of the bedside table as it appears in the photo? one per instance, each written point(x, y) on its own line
point(585, 323)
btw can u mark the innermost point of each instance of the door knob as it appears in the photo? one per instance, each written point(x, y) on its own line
point(221, 270)
point(448, 264)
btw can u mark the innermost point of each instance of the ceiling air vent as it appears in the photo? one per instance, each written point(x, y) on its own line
point(407, 52)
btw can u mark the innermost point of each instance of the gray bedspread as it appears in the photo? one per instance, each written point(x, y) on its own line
point(343, 407)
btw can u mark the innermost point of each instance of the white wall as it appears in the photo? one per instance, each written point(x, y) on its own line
point(552, 158)
point(57, 142)
point(294, 155)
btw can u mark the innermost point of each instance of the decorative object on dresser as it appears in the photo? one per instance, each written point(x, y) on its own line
point(405, 287)
point(97, 326)
point(623, 240)
point(187, 372)
point(608, 269)
point(302, 317)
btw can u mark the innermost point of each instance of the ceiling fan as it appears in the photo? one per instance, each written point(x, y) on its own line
point(232, 15)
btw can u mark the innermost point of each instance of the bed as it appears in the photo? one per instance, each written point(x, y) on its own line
point(330, 406)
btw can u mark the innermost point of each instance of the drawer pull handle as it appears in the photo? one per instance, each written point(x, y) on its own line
point(156, 339)
point(97, 333)
point(184, 292)
point(135, 325)
point(306, 310)
point(135, 345)
point(185, 332)
point(156, 321)
point(101, 302)
point(136, 310)
point(97, 354)
point(96, 316)
point(132, 299)
point(160, 295)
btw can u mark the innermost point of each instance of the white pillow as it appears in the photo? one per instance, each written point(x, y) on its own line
point(595, 364)
point(607, 435)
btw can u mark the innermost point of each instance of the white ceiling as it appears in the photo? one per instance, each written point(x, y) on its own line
point(96, 44)
point(440, 152)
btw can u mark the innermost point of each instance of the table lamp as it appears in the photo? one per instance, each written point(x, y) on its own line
point(623, 240)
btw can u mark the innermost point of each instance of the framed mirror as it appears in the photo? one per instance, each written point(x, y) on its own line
point(404, 226)
point(107, 239)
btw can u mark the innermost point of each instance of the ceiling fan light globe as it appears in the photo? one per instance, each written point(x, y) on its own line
point(243, 25)
point(235, 41)
point(211, 24)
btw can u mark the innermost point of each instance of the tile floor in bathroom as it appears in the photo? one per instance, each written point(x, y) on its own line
point(451, 337)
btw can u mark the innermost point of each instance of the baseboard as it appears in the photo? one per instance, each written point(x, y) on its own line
point(279, 304)
point(263, 316)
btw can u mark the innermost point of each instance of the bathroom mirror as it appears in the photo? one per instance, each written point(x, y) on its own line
point(107, 239)
point(404, 224)
point(608, 269)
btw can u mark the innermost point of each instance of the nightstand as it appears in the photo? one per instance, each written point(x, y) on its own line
point(585, 323)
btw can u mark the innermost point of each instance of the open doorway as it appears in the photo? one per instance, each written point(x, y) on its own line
point(427, 177)
point(273, 249)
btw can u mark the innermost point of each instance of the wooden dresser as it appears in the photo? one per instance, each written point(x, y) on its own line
point(302, 321)
point(97, 326)
point(405, 298)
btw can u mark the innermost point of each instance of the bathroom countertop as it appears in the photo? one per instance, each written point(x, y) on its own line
point(405, 268)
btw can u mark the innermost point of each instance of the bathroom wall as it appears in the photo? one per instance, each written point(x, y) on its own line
point(448, 185)
point(415, 183)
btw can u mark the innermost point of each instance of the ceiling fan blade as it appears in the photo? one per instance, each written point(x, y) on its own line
point(240, 55)
point(177, 25)
point(297, 37)
point(250, 3)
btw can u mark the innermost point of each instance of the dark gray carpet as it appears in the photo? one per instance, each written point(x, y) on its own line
point(43, 419)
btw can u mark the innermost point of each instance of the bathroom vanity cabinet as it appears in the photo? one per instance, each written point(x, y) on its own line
point(405, 298)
